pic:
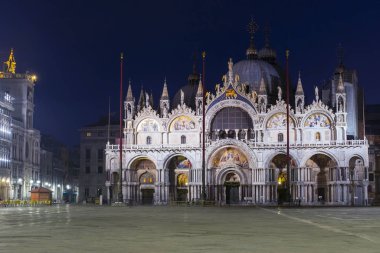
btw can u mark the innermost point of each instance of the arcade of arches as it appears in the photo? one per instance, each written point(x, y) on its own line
point(232, 180)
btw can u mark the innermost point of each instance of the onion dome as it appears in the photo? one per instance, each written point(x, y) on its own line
point(189, 90)
point(267, 53)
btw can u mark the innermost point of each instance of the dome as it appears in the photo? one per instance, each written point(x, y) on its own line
point(267, 54)
point(189, 90)
point(251, 71)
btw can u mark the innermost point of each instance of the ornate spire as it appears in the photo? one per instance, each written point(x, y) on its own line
point(129, 96)
point(11, 63)
point(165, 93)
point(299, 90)
point(141, 102)
point(263, 88)
point(252, 28)
point(340, 87)
point(200, 88)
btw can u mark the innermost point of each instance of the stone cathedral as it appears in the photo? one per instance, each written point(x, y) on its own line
point(245, 127)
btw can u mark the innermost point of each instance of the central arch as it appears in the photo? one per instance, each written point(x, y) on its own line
point(231, 122)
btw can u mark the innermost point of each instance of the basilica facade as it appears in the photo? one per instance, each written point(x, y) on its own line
point(246, 133)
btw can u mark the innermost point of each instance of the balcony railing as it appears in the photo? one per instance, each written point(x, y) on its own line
point(250, 143)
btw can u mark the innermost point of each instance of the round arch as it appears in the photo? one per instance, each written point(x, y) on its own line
point(328, 154)
point(169, 157)
point(189, 121)
point(142, 157)
point(146, 119)
point(312, 112)
point(221, 175)
point(211, 112)
point(272, 114)
point(291, 154)
point(231, 143)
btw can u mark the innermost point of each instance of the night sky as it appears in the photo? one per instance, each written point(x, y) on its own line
point(74, 47)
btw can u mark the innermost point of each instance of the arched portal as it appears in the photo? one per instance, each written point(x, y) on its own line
point(232, 185)
point(228, 172)
point(143, 173)
point(178, 168)
point(357, 175)
point(279, 176)
point(322, 171)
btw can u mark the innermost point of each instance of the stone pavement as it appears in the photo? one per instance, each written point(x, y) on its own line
point(66, 228)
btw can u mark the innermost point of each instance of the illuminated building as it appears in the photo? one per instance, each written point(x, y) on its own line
point(245, 143)
point(25, 152)
point(6, 109)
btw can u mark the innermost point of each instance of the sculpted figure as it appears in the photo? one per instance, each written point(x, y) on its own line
point(279, 93)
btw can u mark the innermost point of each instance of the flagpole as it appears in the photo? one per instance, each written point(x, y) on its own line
point(121, 132)
point(288, 193)
point(203, 129)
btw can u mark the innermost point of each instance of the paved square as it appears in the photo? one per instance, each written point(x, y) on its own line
point(68, 228)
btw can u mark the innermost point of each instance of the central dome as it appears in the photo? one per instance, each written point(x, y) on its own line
point(251, 71)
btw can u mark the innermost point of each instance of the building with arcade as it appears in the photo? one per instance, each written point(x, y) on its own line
point(245, 126)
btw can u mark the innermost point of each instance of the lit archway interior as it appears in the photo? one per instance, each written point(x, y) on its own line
point(179, 169)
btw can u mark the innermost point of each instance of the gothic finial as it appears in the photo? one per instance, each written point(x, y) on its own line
point(165, 93)
point(200, 88)
point(340, 87)
point(263, 88)
point(129, 96)
point(299, 90)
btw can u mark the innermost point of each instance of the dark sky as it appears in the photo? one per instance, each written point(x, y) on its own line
point(74, 47)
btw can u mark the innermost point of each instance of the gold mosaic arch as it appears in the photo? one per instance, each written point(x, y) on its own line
point(182, 123)
point(148, 125)
point(229, 156)
point(278, 121)
point(317, 120)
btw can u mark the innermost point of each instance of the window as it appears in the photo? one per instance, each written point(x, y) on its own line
point(100, 154)
point(371, 177)
point(317, 136)
point(280, 137)
point(148, 140)
point(88, 134)
point(87, 169)
point(100, 169)
point(88, 154)
point(183, 139)
point(86, 192)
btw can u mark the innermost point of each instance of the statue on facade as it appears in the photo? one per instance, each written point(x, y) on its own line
point(182, 97)
point(316, 94)
point(165, 111)
point(146, 99)
point(279, 93)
